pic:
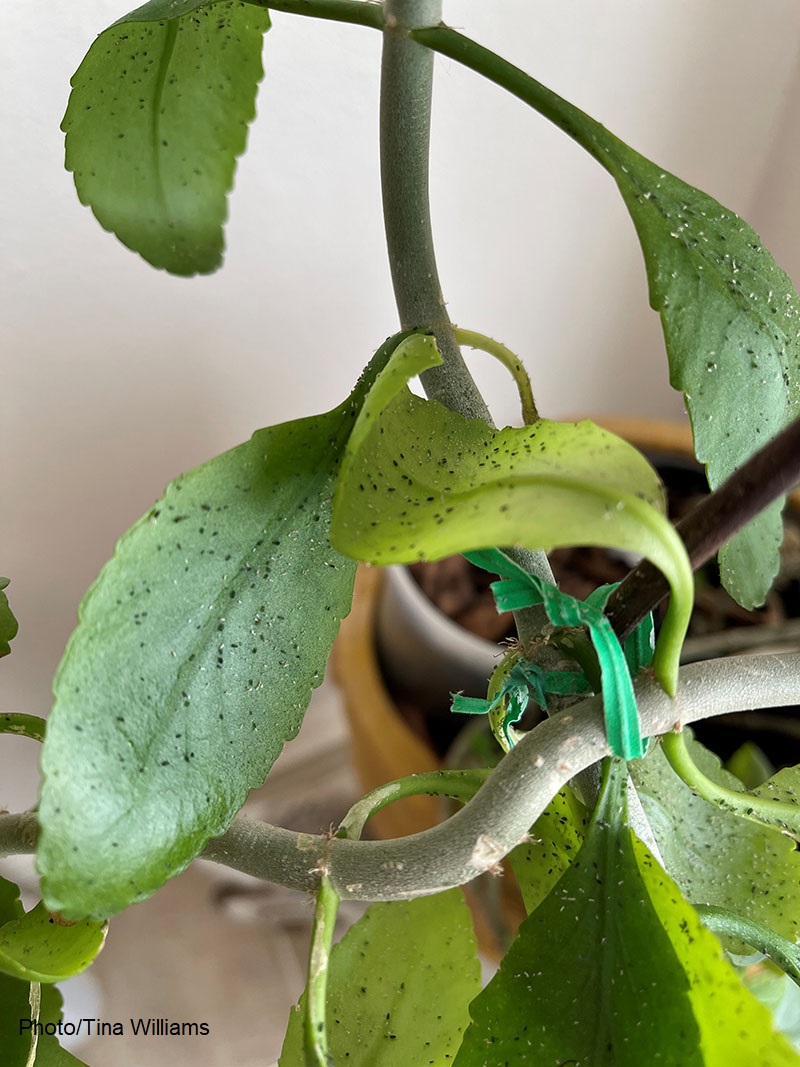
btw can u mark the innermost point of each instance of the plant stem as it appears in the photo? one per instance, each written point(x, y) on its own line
point(479, 835)
point(459, 785)
point(314, 1023)
point(568, 118)
point(406, 84)
point(353, 11)
point(763, 478)
point(760, 937)
point(31, 726)
point(510, 361)
point(770, 812)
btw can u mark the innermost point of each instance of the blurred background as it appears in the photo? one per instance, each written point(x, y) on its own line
point(116, 377)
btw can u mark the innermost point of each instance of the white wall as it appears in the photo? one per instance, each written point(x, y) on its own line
point(116, 377)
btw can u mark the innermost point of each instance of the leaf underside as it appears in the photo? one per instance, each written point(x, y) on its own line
point(156, 120)
point(730, 316)
point(193, 662)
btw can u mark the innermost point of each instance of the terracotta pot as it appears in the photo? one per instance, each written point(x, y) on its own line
point(383, 746)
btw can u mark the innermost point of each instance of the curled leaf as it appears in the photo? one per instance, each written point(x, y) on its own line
point(421, 482)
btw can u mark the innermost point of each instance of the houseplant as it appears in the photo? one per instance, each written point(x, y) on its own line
point(200, 643)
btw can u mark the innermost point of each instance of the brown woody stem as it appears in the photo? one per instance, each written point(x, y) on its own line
point(767, 475)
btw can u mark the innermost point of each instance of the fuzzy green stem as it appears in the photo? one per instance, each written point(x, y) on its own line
point(774, 813)
point(511, 362)
point(780, 950)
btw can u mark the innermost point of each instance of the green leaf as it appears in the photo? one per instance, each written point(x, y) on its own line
point(399, 984)
point(730, 314)
point(18, 1002)
point(715, 857)
point(420, 482)
point(37, 948)
point(750, 765)
point(50, 1054)
point(615, 970)
point(8, 624)
point(730, 317)
point(10, 904)
point(556, 839)
point(783, 788)
point(156, 120)
point(15, 1005)
point(193, 662)
point(591, 978)
point(734, 1027)
point(15, 996)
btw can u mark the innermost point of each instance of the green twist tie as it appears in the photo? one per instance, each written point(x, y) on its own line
point(517, 589)
point(511, 687)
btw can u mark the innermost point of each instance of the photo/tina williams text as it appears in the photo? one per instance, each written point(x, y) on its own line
point(86, 1027)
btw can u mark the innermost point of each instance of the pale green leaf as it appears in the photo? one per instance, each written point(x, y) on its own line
point(398, 987)
point(37, 948)
point(193, 662)
point(716, 857)
point(157, 118)
point(783, 788)
point(421, 482)
point(750, 765)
